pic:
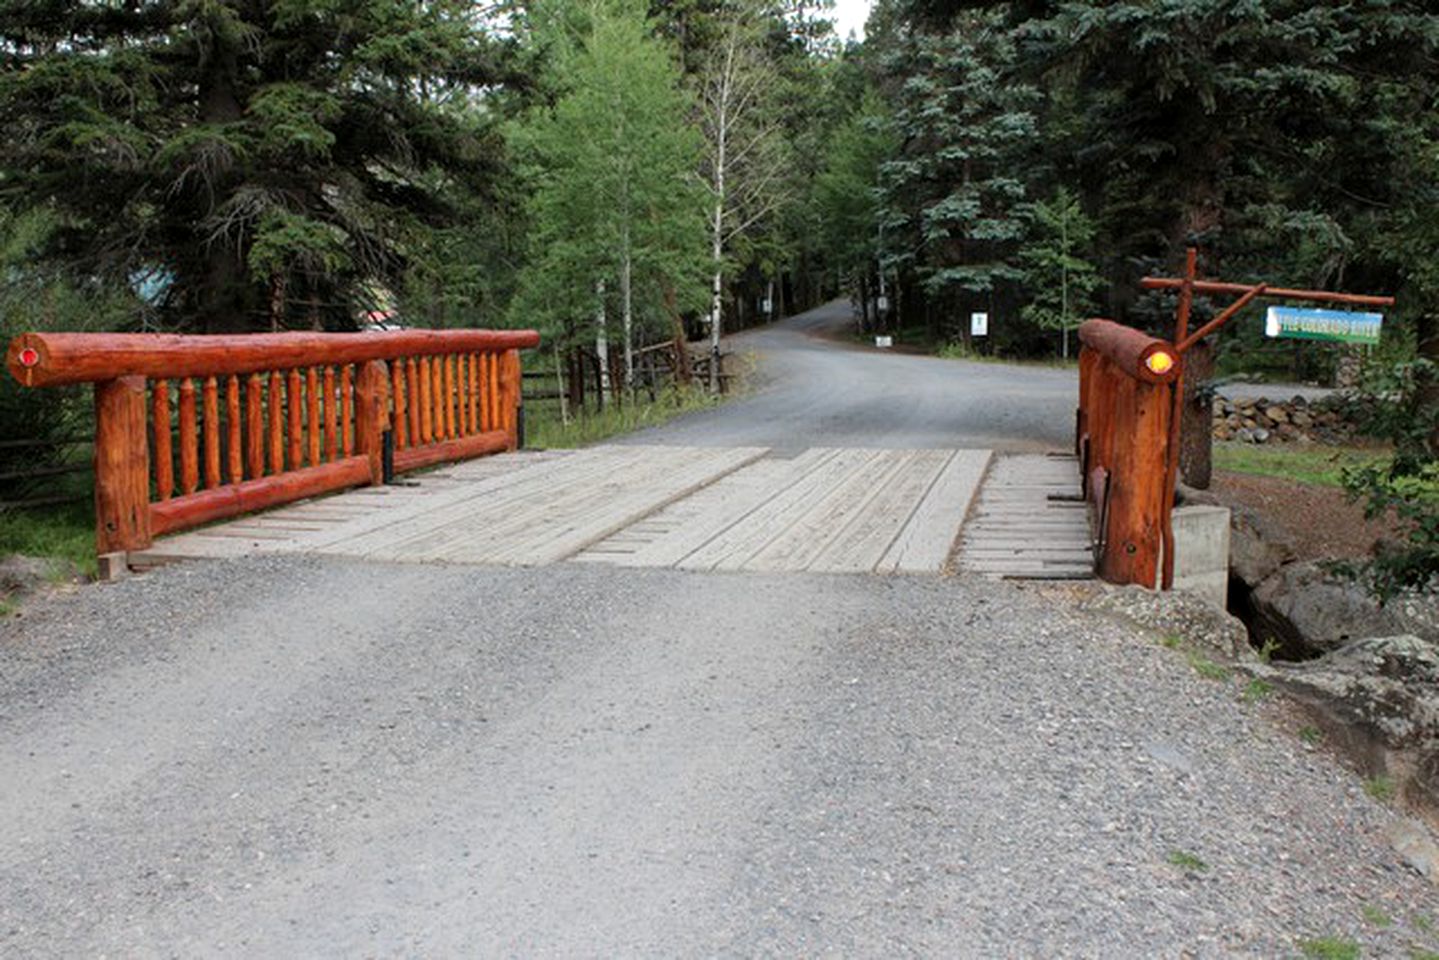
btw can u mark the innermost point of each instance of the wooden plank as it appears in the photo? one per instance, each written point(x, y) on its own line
point(735, 545)
point(925, 542)
point(689, 524)
point(863, 544)
point(830, 516)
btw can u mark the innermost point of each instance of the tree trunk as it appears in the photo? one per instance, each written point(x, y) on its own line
point(1196, 445)
point(683, 373)
point(602, 344)
point(627, 315)
point(1427, 333)
point(716, 283)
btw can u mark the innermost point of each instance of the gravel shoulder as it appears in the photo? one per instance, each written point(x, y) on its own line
point(323, 758)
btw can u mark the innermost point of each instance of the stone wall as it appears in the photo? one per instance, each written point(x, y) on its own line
point(1261, 420)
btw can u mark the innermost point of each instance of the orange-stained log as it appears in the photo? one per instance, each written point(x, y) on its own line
point(332, 417)
point(427, 405)
point(447, 393)
point(122, 467)
point(85, 357)
point(274, 407)
point(233, 459)
point(414, 401)
point(189, 439)
point(473, 394)
point(437, 398)
point(372, 405)
point(347, 410)
point(254, 426)
point(160, 427)
point(401, 426)
point(294, 403)
point(212, 433)
point(252, 495)
point(312, 414)
point(446, 451)
point(510, 389)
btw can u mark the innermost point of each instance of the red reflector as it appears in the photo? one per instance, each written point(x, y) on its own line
point(29, 357)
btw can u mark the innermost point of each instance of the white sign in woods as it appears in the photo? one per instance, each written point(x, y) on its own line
point(979, 324)
point(883, 341)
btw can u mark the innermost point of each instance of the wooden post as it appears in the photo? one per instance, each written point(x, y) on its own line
point(1137, 503)
point(372, 415)
point(122, 467)
point(510, 396)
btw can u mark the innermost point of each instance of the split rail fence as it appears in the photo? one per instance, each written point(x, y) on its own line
point(192, 429)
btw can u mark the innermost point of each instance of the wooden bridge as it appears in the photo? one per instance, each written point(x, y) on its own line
point(694, 508)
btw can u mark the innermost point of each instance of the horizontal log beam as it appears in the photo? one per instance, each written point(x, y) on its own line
point(449, 451)
point(1129, 350)
point(1281, 293)
point(51, 359)
point(259, 494)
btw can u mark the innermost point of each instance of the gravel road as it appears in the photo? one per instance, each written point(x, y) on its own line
point(813, 389)
point(315, 757)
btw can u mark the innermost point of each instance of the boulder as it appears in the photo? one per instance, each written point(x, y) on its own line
point(1310, 611)
point(1379, 699)
point(1176, 613)
point(1258, 546)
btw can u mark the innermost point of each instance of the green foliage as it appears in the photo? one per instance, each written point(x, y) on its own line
point(546, 429)
point(1381, 788)
point(612, 164)
point(1399, 405)
point(1185, 860)
point(1330, 948)
point(1321, 466)
point(65, 534)
point(1207, 668)
point(1057, 272)
point(265, 160)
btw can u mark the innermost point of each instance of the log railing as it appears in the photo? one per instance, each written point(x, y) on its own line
point(1122, 438)
point(193, 429)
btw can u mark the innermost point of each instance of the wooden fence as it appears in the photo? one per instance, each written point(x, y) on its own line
point(193, 429)
point(1122, 437)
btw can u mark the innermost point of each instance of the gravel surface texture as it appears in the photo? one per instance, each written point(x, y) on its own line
point(306, 757)
point(814, 390)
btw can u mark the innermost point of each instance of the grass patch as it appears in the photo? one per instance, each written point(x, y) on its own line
point(1310, 735)
point(1423, 955)
point(1257, 689)
point(1170, 642)
point(1321, 466)
point(1207, 668)
point(63, 533)
point(544, 427)
point(1329, 948)
point(1375, 916)
point(1381, 788)
point(1185, 860)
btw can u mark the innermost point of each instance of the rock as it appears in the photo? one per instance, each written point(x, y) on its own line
point(1310, 611)
point(1258, 547)
point(1222, 432)
point(1277, 413)
point(20, 574)
point(1177, 613)
point(1415, 846)
point(1244, 434)
point(1300, 419)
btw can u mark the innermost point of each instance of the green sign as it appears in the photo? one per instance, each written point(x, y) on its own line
point(1334, 325)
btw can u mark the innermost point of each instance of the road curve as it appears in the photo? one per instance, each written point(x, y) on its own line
point(814, 389)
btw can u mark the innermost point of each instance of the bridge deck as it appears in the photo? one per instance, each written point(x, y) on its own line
point(834, 510)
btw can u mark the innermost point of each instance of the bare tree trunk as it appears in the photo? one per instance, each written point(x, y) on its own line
point(716, 288)
point(683, 373)
point(627, 318)
point(602, 343)
point(277, 302)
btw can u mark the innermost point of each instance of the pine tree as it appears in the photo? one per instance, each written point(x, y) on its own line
point(1060, 279)
point(264, 160)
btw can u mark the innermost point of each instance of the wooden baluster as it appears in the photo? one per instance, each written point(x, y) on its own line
point(293, 403)
point(347, 412)
point(412, 394)
point(449, 369)
point(427, 408)
point(254, 427)
point(471, 382)
point(232, 429)
point(277, 436)
point(212, 433)
point(401, 426)
point(510, 391)
point(462, 401)
point(312, 410)
point(160, 425)
point(189, 441)
point(492, 392)
point(122, 467)
point(332, 417)
point(437, 398)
